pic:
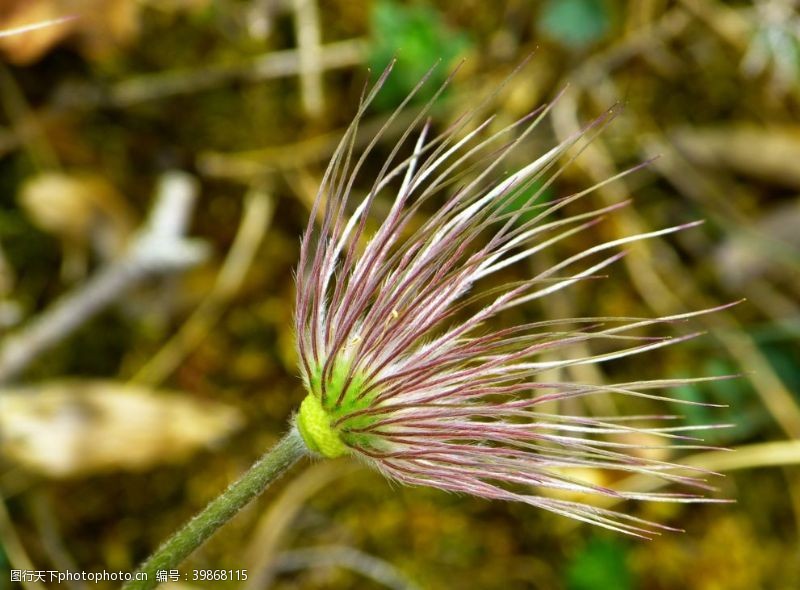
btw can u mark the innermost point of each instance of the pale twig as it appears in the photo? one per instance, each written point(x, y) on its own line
point(255, 222)
point(158, 248)
point(307, 33)
point(277, 64)
point(35, 26)
point(250, 164)
point(769, 454)
point(754, 456)
point(330, 556)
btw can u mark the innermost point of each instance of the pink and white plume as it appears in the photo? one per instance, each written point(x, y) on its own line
point(397, 350)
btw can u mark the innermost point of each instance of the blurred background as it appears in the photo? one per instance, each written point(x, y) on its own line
point(158, 161)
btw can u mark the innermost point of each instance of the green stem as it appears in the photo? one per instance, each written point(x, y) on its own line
point(194, 533)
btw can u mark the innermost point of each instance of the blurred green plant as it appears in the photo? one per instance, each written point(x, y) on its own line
point(521, 200)
point(775, 44)
point(574, 23)
point(743, 412)
point(602, 563)
point(417, 36)
point(781, 350)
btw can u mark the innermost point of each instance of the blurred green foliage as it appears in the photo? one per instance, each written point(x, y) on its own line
point(740, 411)
point(601, 563)
point(417, 36)
point(528, 198)
point(574, 23)
point(783, 354)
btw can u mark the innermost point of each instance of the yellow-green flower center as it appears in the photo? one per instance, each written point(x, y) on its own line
point(345, 397)
point(314, 425)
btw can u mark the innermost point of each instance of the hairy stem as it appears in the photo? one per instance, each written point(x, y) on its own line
point(266, 470)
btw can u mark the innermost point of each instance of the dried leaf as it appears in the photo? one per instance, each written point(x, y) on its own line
point(71, 428)
point(82, 210)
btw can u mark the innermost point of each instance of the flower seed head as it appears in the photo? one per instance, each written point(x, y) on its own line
point(399, 375)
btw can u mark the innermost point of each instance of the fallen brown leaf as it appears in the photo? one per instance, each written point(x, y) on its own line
point(73, 428)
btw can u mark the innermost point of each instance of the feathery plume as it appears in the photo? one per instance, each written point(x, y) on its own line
point(397, 377)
